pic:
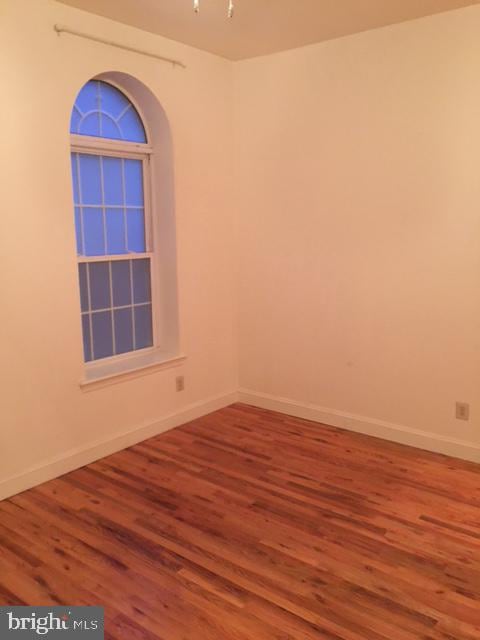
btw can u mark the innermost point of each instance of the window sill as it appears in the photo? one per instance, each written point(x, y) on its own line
point(102, 375)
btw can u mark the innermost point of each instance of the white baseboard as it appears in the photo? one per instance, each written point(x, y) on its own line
point(81, 456)
point(369, 426)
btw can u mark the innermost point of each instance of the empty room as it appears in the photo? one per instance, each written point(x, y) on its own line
point(240, 266)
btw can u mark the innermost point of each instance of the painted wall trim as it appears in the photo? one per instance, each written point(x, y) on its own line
point(81, 456)
point(361, 424)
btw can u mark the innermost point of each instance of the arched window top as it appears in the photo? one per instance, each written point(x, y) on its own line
point(102, 111)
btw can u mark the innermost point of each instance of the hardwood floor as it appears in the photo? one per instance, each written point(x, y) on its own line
point(247, 524)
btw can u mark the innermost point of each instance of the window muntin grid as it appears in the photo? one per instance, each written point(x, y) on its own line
point(102, 111)
point(110, 205)
point(116, 306)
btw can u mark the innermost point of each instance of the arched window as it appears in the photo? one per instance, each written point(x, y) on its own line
point(113, 222)
point(102, 111)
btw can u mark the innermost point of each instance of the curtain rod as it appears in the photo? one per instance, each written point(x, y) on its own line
point(61, 29)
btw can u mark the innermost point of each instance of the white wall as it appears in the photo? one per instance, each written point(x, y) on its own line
point(45, 414)
point(358, 190)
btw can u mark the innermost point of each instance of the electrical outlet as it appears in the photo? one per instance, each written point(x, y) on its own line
point(462, 411)
point(180, 383)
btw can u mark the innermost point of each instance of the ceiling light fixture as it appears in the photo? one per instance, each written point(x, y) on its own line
point(230, 11)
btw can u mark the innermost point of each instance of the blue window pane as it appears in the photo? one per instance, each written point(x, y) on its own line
point(143, 326)
point(121, 287)
point(78, 231)
point(90, 182)
point(123, 330)
point(136, 230)
point(109, 128)
point(87, 354)
point(90, 125)
point(82, 275)
point(75, 120)
point(102, 110)
point(141, 281)
point(76, 196)
point(99, 280)
point(132, 325)
point(102, 334)
point(112, 180)
point(131, 126)
point(113, 100)
point(116, 238)
point(134, 183)
point(93, 231)
point(87, 99)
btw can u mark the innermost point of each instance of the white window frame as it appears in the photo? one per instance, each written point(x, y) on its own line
point(130, 151)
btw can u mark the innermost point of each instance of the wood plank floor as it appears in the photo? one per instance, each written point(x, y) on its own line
point(251, 525)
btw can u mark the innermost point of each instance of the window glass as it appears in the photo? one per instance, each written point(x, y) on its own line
point(103, 111)
point(109, 215)
point(109, 205)
point(118, 293)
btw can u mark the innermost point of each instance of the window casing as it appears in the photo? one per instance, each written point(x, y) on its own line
point(111, 173)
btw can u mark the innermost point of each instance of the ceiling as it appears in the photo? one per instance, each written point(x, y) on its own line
point(262, 26)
